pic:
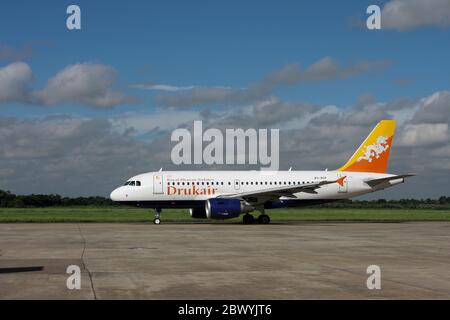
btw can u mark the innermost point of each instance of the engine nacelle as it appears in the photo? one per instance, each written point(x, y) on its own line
point(226, 208)
point(198, 213)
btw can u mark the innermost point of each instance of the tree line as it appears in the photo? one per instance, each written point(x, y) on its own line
point(441, 203)
point(10, 200)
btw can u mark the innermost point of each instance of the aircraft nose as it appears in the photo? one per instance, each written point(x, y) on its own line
point(115, 196)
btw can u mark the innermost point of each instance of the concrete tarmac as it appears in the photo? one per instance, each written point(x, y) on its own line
point(225, 261)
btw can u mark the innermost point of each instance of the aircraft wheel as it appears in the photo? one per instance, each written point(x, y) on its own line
point(248, 219)
point(264, 219)
point(157, 221)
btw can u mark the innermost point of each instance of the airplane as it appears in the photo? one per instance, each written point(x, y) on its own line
point(228, 194)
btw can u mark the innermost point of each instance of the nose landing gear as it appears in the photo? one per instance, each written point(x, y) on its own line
point(157, 219)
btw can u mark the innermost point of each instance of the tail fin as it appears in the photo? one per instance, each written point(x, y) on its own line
point(373, 154)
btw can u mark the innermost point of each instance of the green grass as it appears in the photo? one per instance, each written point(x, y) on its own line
point(125, 214)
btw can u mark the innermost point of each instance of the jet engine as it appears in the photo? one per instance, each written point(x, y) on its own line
point(226, 208)
point(198, 213)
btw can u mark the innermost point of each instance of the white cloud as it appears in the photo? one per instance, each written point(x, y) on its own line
point(433, 109)
point(408, 14)
point(71, 156)
point(326, 68)
point(142, 123)
point(15, 79)
point(161, 87)
point(84, 83)
point(424, 134)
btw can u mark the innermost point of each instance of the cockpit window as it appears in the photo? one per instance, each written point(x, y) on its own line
point(133, 183)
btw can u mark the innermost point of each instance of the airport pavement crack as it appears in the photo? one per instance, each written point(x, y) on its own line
point(84, 263)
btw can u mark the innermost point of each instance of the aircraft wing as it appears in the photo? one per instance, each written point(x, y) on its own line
point(284, 191)
point(375, 182)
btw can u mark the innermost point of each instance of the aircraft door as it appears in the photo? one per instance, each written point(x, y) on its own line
point(158, 184)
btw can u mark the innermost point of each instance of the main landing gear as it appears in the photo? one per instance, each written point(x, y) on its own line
point(249, 219)
point(262, 219)
point(157, 219)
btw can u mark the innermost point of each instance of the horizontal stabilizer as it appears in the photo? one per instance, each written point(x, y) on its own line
point(375, 182)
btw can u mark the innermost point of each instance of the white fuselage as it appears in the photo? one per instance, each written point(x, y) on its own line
point(186, 186)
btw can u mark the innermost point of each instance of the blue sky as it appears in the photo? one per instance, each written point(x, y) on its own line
point(219, 45)
point(228, 43)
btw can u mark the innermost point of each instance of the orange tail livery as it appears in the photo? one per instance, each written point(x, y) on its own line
point(373, 154)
